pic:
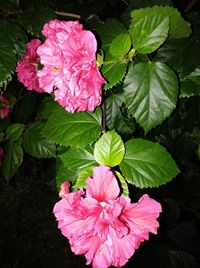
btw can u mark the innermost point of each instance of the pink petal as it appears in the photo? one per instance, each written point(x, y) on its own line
point(103, 186)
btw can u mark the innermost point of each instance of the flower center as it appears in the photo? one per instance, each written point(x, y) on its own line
point(57, 68)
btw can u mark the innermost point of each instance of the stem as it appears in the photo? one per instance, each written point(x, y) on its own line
point(66, 14)
point(125, 2)
point(104, 115)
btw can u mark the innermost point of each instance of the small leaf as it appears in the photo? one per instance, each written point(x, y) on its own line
point(194, 76)
point(124, 185)
point(78, 129)
point(147, 164)
point(151, 91)
point(189, 88)
point(149, 33)
point(178, 27)
point(121, 45)
point(12, 160)
point(78, 158)
point(109, 149)
point(113, 73)
point(36, 144)
point(83, 175)
point(15, 131)
point(115, 119)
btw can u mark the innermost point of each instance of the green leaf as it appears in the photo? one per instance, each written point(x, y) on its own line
point(7, 58)
point(16, 35)
point(178, 27)
point(151, 91)
point(182, 55)
point(194, 76)
point(14, 131)
point(121, 45)
point(12, 160)
point(113, 73)
point(147, 164)
point(189, 88)
point(149, 33)
point(83, 175)
point(109, 149)
point(115, 119)
point(34, 20)
point(108, 31)
point(46, 108)
point(124, 185)
point(36, 144)
point(64, 174)
point(78, 158)
point(78, 129)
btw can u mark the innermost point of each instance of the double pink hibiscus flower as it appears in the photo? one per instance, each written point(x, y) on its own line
point(68, 61)
point(105, 227)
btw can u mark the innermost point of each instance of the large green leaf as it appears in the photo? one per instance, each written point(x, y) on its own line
point(113, 72)
point(14, 131)
point(34, 20)
point(7, 58)
point(12, 160)
point(121, 45)
point(78, 158)
point(149, 33)
point(36, 144)
point(178, 27)
point(182, 55)
point(147, 164)
point(78, 129)
point(109, 149)
point(151, 91)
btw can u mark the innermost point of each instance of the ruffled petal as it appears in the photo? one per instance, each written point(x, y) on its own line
point(103, 186)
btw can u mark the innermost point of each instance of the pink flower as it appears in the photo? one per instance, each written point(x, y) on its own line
point(27, 67)
point(69, 59)
point(1, 155)
point(105, 227)
point(4, 107)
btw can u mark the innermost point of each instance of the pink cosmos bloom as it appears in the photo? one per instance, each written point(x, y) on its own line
point(5, 107)
point(105, 227)
point(69, 69)
point(27, 67)
point(1, 155)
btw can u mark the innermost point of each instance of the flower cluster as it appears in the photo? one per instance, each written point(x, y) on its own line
point(105, 227)
point(4, 107)
point(68, 59)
